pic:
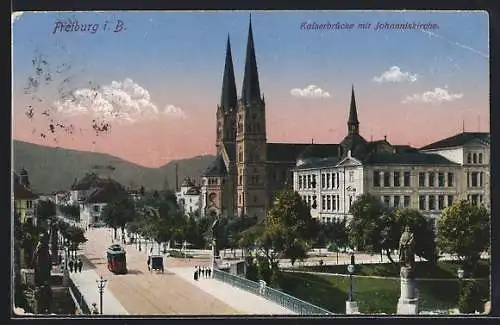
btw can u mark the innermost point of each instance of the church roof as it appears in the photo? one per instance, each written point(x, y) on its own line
point(216, 168)
point(229, 98)
point(89, 181)
point(195, 190)
point(459, 140)
point(319, 163)
point(250, 91)
point(320, 151)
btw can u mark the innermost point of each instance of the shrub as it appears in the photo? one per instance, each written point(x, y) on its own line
point(470, 298)
point(177, 254)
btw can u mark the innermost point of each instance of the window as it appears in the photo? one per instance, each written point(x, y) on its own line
point(474, 179)
point(328, 180)
point(474, 158)
point(376, 178)
point(421, 202)
point(337, 182)
point(406, 201)
point(387, 200)
point(450, 200)
point(450, 179)
point(397, 178)
point(441, 179)
point(469, 158)
point(309, 200)
point(313, 183)
point(328, 202)
point(475, 198)
point(96, 208)
point(323, 181)
point(96, 219)
point(29, 204)
point(300, 182)
point(432, 202)
point(239, 198)
point(323, 202)
point(396, 201)
point(432, 178)
point(440, 202)
point(421, 179)
point(351, 198)
point(468, 179)
point(387, 180)
point(333, 180)
point(257, 179)
point(308, 181)
point(481, 179)
point(314, 202)
point(335, 199)
point(480, 198)
point(351, 176)
point(406, 179)
point(480, 156)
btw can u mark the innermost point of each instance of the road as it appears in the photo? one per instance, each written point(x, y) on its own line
point(144, 293)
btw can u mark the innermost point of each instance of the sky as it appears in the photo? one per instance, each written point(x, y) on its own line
point(155, 77)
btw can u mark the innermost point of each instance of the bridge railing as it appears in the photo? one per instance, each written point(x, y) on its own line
point(285, 300)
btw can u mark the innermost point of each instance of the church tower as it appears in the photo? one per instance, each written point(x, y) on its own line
point(226, 111)
point(352, 122)
point(251, 145)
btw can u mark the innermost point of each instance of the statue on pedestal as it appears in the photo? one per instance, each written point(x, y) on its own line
point(407, 249)
point(41, 261)
point(408, 300)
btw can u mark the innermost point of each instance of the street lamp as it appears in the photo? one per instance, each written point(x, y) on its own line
point(350, 269)
point(460, 275)
point(101, 283)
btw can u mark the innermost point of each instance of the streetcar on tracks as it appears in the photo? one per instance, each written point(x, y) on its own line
point(117, 260)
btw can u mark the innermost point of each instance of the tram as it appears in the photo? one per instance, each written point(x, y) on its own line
point(117, 261)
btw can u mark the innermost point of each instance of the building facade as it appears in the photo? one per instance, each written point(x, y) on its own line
point(189, 197)
point(427, 179)
point(24, 199)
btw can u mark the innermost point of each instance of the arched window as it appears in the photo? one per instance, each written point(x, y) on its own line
point(474, 158)
point(469, 158)
point(480, 158)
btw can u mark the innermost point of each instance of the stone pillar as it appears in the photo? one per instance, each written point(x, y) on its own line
point(408, 300)
point(351, 307)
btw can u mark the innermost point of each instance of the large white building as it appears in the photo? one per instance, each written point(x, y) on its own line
point(427, 179)
point(189, 197)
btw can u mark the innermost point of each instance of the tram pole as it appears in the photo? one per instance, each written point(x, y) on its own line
point(101, 284)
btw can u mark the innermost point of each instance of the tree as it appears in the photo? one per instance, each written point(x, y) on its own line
point(335, 235)
point(45, 210)
point(289, 228)
point(463, 230)
point(117, 213)
point(70, 211)
point(376, 228)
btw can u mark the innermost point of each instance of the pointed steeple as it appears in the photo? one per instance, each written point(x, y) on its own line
point(229, 98)
point(352, 122)
point(251, 90)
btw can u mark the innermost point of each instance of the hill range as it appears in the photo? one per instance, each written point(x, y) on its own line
point(52, 169)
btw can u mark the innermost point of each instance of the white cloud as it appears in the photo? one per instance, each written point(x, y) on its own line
point(433, 97)
point(174, 111)
point(311, 91)
point(15, 16)
point(122, 100)
point(394, 74)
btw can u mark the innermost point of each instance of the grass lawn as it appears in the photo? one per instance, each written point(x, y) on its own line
point(443, 270)
point(373, 295)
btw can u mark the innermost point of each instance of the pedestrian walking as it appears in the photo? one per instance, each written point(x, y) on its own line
point(195, 275)
point(202, 270)
point(80, 265)
point(94, 309)
point(71, 264)
point(209, 273)
point(149, 263)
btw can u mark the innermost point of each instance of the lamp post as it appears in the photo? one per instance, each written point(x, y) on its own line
point(350, 269)
point(101, 284)
point(460, 275)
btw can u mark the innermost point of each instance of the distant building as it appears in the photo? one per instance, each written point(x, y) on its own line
point(24, 199)
point(92, 193)
point(189, 197)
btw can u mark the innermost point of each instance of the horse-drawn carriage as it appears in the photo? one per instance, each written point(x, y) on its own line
point(155, 262)
point(117, 261)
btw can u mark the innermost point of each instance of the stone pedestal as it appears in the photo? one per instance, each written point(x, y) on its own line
point(408, 300)
point(351, 307)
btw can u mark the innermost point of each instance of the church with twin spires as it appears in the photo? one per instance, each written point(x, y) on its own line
point(248, 170)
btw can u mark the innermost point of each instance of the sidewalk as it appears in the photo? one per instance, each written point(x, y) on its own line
point(235, 297)
point(86, 282)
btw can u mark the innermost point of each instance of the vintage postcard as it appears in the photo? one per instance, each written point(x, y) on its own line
point(251, 163)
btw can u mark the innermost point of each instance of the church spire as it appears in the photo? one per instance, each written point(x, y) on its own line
point(251, 90)
point(352, 122)
point(229, 97)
